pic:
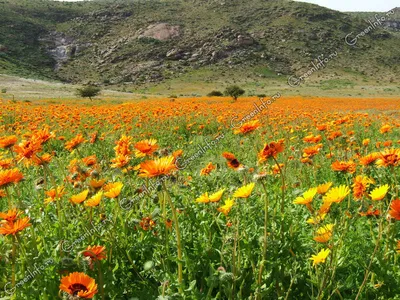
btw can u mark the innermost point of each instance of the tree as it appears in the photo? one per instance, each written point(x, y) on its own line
point(234, 91)
point(88, 91)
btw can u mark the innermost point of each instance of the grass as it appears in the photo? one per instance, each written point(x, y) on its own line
point(256, 247)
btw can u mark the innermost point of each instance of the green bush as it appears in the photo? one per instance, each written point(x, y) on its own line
point(215, 94)
point(88, 91)
point(234, 91)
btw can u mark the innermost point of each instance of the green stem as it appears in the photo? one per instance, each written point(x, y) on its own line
point(178, 239)
point(14, 257)
point(265, 246)
point(100, 275)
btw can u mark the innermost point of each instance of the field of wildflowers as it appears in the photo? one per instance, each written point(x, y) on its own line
point(201, 198)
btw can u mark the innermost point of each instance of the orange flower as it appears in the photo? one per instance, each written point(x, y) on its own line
point(322, 127)
point(14, 227)
point(232, 162)
point(271, 150)
point(90, 160)
point(366, 142)
point(385, 128)
point(369, 159)
point(123, 146)
point(207, 170)
point(27, 150)
point(42, 160)
point(120, 161)
point(6, 163)
point(75, 142)
point(7, 141)
point(168, 223)
point(312, 151)
point(277, 168)
point(370, 212)
point(145, 147)
point(43, 135)
point(390, 157)
point(394, 211)
point(95, 252)
point(361, 183)
point(335, 134)
point(54, 194)
point(10, 176)
point(11, 215)
point(177, 153)
point(161, 166)
point(79, 285)
point(343, 166)
point(93, 138)
point(248, 127)
point(147, 223)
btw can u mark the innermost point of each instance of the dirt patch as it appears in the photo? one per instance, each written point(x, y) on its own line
point(161, 31)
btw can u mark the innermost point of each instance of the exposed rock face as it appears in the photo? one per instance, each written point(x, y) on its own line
point(160, 31)
point(61, 47)
point(393, 24)
point(394, 21)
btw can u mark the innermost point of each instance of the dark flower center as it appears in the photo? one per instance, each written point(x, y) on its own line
point(76, 288)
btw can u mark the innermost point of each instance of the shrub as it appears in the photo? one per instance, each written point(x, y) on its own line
point(215, 94)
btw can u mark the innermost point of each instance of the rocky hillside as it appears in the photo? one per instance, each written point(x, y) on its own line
point(141, 42)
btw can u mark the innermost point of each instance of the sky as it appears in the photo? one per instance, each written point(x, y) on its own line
point(357, 5)
point(350, 5)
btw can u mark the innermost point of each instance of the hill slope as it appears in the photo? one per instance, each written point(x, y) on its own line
point(143, 43)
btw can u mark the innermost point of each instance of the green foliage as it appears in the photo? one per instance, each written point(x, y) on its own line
point(234, 91)
point(215, 94)
point(88, 91)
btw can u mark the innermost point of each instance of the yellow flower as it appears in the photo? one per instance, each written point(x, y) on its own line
point(323, 188)
point(80, 197)
point(244, 191)
point(337, 194)
point(307, 197)
point(112, 190)
point(320, 257)
point(216, 196)
point(326, 228)
point(203, 198)
point(379, 193)
point(317, 219)
point(226, 208)
point(324, 233)
point(95, 200)
point(94, 183)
